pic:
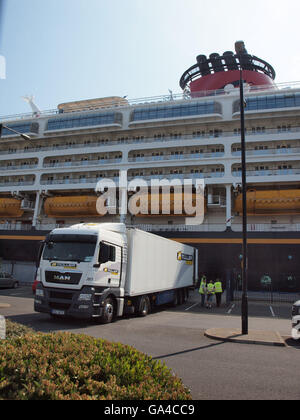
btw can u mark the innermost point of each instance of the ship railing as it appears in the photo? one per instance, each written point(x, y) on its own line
point(155, 100)
point(17, 167)
point(81, 163)
point(205, 227)
point(174, 176)
point(16, 183)
point(84, 180)
point(176, 157)
point(216, 227)
point(268, 172)
point(221, 227)
point(267, 227)
point(281, 151)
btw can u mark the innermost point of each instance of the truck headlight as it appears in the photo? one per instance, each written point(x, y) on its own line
point(39, 292)
point(85, 296)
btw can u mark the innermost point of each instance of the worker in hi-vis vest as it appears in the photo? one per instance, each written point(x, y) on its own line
point(202, 289)
point(210, 293)
point(218, 292)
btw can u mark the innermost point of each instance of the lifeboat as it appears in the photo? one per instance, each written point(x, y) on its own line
point(73, 206)
point(97, 103)
point(157, 205)
point(270, 202)
point(10, 207)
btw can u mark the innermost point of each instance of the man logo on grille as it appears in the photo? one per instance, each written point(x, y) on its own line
point(61, 277)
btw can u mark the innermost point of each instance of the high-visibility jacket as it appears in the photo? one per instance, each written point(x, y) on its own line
point(218, 287)
point(211, 289)
point(202, 289)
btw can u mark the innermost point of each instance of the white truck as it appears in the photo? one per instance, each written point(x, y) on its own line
point(105, 270)
point(296, 320)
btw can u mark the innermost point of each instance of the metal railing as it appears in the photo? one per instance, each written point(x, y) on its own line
point(158, 141)
point(279, 87)
point(205, 227)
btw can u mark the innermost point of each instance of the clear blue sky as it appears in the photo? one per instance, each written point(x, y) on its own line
point(64, 50)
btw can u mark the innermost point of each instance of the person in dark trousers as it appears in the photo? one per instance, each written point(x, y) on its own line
point(210, 292)
point(202, 290)
point(218, 292)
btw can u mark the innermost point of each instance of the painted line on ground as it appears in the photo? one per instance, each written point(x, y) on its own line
point(190, 307)
point(272, 312)
point(231, 308)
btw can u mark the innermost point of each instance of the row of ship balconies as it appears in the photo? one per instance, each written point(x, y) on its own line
point(202, 138)
point(212, 172)
point(277, 150)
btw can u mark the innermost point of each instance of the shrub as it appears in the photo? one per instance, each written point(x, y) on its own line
point(14, 330)
point(75, 367)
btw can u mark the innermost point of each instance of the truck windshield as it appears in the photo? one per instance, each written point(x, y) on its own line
point(69, 251)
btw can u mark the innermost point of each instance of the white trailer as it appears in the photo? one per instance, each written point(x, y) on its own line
point(105, 270)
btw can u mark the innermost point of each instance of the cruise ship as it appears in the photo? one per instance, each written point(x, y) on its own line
point(48, 177)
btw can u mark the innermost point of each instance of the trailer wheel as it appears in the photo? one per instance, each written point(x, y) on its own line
point(180, 296)
point(143, 306)
point(185, 294)
point(175, 299)
point(108, 313)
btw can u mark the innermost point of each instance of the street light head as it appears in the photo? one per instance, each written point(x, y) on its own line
point(240, 47)
point(25, 137)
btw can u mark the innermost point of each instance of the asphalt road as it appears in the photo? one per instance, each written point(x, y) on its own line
point(211, 369)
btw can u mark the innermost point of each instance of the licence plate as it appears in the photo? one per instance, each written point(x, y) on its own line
point(57, 312)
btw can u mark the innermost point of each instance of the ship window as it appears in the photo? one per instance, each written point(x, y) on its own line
point(269, 102)
point(82, 121)
point(175, 111)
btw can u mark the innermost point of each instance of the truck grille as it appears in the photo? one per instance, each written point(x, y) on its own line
point(61, 295)
point(62, 278)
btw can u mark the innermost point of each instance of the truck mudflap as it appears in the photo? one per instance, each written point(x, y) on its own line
point(86, 303)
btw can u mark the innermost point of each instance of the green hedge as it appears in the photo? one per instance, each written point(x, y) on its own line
point(64, 366)
point(14, 329)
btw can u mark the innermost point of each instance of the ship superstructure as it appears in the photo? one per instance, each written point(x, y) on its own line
point(50, 181)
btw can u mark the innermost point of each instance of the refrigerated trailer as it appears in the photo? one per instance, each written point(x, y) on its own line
point(105, 270)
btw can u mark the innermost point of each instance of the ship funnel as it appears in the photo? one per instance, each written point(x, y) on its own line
point(214, 72)
point(230, 60)
point(216, 62)
point(203, 65)
point(240, 47)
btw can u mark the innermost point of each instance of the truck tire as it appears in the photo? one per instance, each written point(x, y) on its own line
point(143, 306)
point(108, 314)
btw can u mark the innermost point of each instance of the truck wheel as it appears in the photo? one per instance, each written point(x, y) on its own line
point(143, 306)
point(108, 313)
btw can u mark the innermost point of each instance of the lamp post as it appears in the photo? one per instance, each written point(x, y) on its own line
point(24, 136)
point(240, 50)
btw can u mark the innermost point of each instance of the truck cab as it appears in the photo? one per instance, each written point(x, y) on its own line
point(296, 320)
point(80, 268)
